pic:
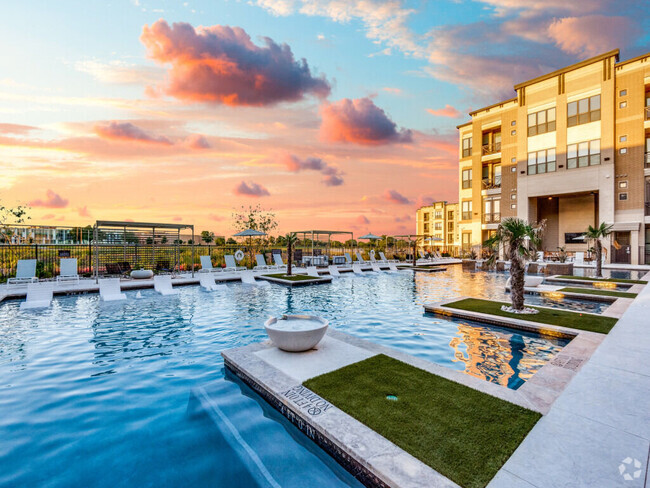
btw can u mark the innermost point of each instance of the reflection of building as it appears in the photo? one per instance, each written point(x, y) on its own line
point(439, 223)
point(573, 147)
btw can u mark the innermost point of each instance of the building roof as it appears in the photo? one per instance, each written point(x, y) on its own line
point(492, 106)
point(628, 61)
point(572, 67)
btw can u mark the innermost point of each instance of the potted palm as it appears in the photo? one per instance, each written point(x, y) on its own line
point(596, 234)
point(519, 239)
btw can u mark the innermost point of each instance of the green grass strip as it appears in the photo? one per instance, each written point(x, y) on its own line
point(293, 277)
point(607, 293)
point(610, 280)
point(460, 432)
point(551, 316)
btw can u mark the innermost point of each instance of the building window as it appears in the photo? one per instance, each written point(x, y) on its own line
point(467, 178)
point(622, 196)
point(467, 210)
point(426, 216)
point(438, 214)
point(583, 154)
point(450, 239)
point(491, 142)
point(492, 211)
point(622, 150)
point(450, 215)
point(622, 139)
point(467, 240)
point(541, 122)
point(450, 226)
point(513, 205)
point(583, 111)
point(513, 169)
point(513, 196)
point(491, 176)
point(622, 93)
point(467, 147)
point(622, 184)
point(514, 122)
point(513, 132)
point(426, 228)
point(541, 162)
point(622, 105)
point(438, 226)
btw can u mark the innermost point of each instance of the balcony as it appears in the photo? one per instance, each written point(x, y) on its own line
point(466, 216)
point(491, 148)
point(493, 218)
point(647, 209)
point(647, 160)
point(647, 113)
point(491, 183)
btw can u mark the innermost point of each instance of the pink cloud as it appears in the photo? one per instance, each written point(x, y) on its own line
point(396, 197)
point(126, 131)
point(177, 219)
point(53, 200)
point(593, 34)
point(360, 121)
point(17, 129)
point(405, 218)
point(251, 189)
point(424, 200)
point(216, 218)
point(448, 111)
point(332, 180)
point(362, 220)
point(83, 211)
point(220, 64)
point(333, 176)
point(128, 220)
point(197, 141)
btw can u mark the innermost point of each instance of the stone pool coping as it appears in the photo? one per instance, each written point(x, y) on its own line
point(291, 283)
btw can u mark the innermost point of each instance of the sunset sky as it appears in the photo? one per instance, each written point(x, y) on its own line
point(335, 114)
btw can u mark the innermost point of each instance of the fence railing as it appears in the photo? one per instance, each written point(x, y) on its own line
point(134, 256)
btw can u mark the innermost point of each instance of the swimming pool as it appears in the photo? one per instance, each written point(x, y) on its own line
point(95, 394)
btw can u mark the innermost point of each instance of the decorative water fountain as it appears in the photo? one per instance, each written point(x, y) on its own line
point(296, 333)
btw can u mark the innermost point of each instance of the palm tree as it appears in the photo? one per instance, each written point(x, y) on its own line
point(596, 234)
point(291, 239)
point(519, 239)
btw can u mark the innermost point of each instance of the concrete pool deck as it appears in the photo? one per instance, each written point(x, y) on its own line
point(597, 433)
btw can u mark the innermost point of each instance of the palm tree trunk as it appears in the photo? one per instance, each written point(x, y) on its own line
point(599, 259)
point(289, 252)
point(517, 272)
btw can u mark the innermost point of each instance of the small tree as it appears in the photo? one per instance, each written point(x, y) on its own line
point(291, 239)
point(207, 236)
point(520, 240)
point(9, 216)
point(596, 234)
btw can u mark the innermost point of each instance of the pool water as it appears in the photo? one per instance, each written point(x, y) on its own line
point(95, 394)
point(621, 274)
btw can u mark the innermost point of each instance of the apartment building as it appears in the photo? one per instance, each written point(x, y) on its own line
point(438, 223)
point(573, 148)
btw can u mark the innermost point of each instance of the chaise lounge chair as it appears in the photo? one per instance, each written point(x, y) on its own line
point(110, 290)
point(207, 283)
point(348, 261)
point(39, 295)
point(360, 259)
point(231, 265)
point(68, 272)
point(261, 264)
point(163, 285)
point(277, 258)
point(206, 265)
point(312, 271)
point(356, 269)
point(334, 271)
point(25, 272)
point(384, 260)
point(375, 267)
point(248, 278)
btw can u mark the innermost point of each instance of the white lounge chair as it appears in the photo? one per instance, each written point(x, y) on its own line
point(248, 278)
point(163, 285)
point(39, 295)
point(207, 283)
point(25, 272)
point(356, 268)
point(312, 271)
point(360, 259)
point(375, 267)
point(348, 261)
point(231, 265)
point(261, 264)
point(384, 260)
point(206, 265)
point(110, 290)
point(334, 271)
point(392, 267)
point(277, 258)
point(68, 272)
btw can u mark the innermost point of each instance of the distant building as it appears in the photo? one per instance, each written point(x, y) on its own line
point(573, 147)
point(439, 223)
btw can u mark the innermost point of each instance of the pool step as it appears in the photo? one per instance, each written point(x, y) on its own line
point(272, 450)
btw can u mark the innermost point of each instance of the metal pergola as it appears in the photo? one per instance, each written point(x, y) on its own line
point(316, 233)
point(147, 236)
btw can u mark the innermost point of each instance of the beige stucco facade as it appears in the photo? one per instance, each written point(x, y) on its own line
point(438, 225)
point(572, 149)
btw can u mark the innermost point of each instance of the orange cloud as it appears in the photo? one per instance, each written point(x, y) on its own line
point(251, 189)
point(396, 197)
point(220, 64)
point(593, 34)
point(448, 111)
point(53, 200)
point(360, 121)
point(126, 131)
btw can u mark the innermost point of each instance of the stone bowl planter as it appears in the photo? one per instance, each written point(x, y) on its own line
point(141, 274)
point(296, 333)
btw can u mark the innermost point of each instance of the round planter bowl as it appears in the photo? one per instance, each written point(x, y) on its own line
point(296, 333)
point(141, 274)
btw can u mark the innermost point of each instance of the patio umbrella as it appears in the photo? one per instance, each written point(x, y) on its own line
point(250, 233)
point(370, 237)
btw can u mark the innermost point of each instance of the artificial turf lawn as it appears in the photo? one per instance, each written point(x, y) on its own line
point(611, 280)
point(607, 293)
point(551, 316)
point(293, 277)
point(462, 433)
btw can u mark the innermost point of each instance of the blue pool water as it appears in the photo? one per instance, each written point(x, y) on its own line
point(611, 273)
point(95, 394)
